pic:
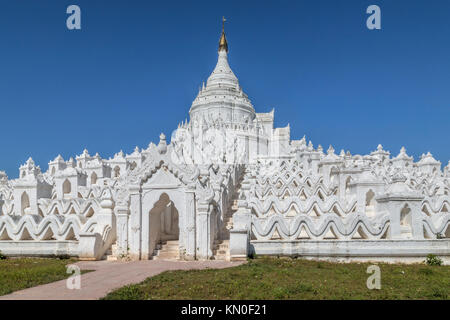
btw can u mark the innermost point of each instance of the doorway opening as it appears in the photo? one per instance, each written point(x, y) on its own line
point(164, 229)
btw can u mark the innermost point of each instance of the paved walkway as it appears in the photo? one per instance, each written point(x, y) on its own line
point(109, 276)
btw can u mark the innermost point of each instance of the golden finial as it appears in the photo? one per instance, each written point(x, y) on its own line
point(223, 24)
point(223, 45)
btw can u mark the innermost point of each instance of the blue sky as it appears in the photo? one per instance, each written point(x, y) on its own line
point(134, 68)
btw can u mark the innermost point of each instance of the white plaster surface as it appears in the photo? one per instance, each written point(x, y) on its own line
point(228, 174)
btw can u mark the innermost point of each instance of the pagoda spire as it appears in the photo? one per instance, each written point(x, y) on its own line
point(223, 44)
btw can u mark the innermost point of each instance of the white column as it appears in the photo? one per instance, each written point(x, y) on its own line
point(122, 214)
point(187, 227)
point(135, 222)
point(204, 231)
point(240, 234)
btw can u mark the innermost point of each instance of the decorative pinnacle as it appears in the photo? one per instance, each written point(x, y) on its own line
point(162, 145)
point(223, 24)
point(223, 45)
point(330, 150)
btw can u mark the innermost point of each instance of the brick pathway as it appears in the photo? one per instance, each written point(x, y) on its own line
point(109, 276)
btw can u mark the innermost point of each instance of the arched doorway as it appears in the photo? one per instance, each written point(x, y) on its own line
point(146, 206)
point(406, 221)
point(25, 202)
point(93, 178)
point(370, 203)
point(67, 188)
point(164, 228)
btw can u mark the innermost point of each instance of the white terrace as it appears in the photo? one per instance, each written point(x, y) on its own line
point(229, 184)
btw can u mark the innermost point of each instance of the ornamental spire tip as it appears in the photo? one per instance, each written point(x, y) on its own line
point(223, 45)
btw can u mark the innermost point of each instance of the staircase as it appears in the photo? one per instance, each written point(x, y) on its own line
point(227, 224)
point(221, 250)
point(166, 250)
point(111, 254)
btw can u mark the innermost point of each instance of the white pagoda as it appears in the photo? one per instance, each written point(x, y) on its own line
point(229, 185)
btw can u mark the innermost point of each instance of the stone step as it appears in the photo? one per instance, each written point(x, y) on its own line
point(115, 250)
point(220, 252)
point(169, 246)
point(166, 256)
point(111, 258)
point(222, 257)
point(164, 248)
point(224, 241)
point(167, 250)
point(222, 246)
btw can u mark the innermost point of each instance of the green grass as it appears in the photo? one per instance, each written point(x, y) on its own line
point(269, 278)
point(21, 273)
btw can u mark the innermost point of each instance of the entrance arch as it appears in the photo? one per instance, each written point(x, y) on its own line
point(163, 222)
point(182, 208)
point(157, 188)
